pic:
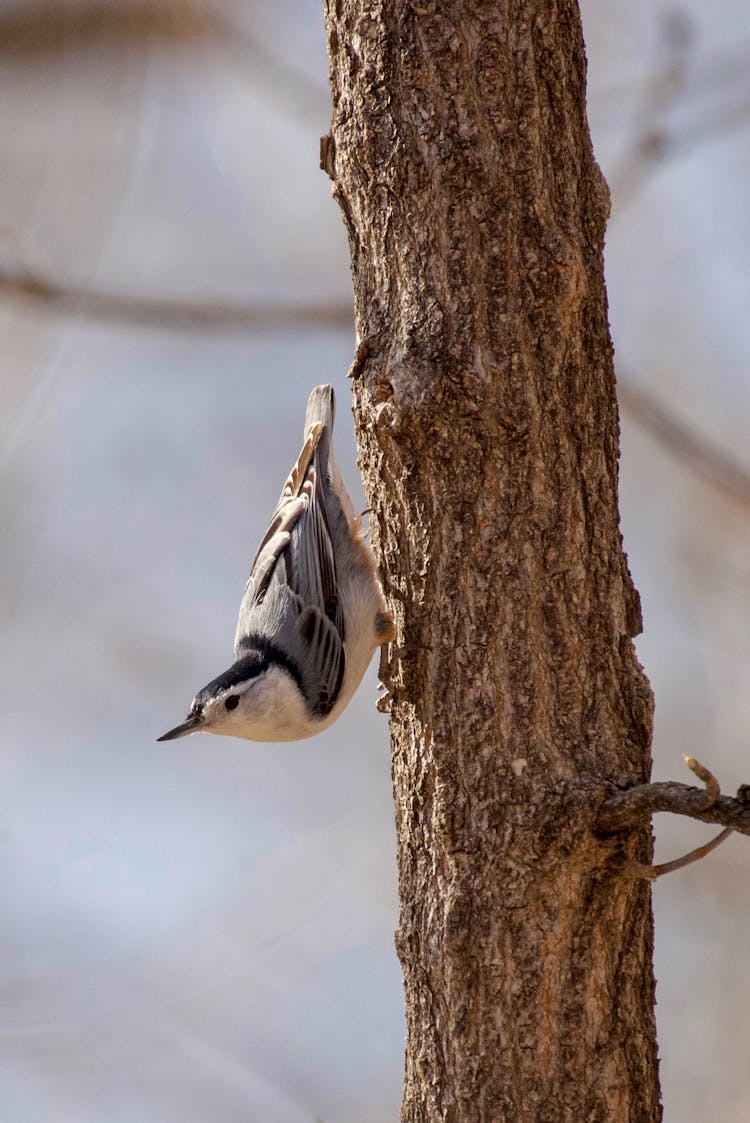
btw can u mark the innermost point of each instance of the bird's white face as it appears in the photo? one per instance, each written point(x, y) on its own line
point(267, 707)
point(235, 709)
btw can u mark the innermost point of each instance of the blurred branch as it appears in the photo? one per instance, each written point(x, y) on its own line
point(628, 808)
point(168, 313)
point(713, 125)
point(289, 86)
point(659, 93)
point(706, 74)
point(653, 141)
point(658, 144)
point(700, 455)
point(50, 26)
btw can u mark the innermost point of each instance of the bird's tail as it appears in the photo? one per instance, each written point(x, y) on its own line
point(321, 408)
point(317, 447)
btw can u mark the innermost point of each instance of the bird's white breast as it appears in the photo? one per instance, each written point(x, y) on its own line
point(274, 711)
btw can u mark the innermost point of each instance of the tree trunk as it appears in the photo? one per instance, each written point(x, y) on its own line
point(487, 423)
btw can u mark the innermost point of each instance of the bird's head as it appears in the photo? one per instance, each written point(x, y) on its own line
point(256, 699)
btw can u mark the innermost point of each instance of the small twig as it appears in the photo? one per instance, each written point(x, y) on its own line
point(627, 808)
point(713, 791)
point(650, 873)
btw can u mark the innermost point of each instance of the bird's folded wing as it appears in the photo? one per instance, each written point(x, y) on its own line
point(294, 576)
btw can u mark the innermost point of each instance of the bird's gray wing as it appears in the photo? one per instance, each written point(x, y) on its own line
point(291, 594)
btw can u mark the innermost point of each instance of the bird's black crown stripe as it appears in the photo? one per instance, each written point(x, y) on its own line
point(256, 655)
point(266, 651)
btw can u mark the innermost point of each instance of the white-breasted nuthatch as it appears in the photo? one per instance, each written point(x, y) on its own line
point(313, 612)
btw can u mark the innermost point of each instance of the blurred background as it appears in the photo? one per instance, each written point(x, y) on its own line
point(202, 932)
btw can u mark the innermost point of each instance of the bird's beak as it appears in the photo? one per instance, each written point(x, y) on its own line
point(192, 725)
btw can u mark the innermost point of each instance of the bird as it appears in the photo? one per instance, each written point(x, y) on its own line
point(313, 612)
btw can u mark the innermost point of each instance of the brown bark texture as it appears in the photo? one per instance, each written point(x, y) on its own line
point(487, 424)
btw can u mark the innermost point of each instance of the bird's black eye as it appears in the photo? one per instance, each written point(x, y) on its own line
point(232, 702)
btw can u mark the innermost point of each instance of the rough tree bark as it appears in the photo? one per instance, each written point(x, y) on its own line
point(487, 423)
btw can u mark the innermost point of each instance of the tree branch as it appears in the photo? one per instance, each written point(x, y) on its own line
point(707, 73)
point(49, 28)
point(628, 808)
point(654, 142)
point(171, 313)
point(167, 312)
point(704, 458)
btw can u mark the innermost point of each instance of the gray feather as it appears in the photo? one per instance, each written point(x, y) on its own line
point(292, 591)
